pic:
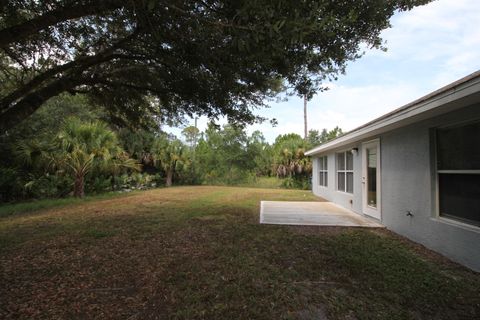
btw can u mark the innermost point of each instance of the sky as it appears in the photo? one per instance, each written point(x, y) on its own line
point(428, 48)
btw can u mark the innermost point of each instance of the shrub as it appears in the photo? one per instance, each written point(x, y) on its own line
point(10, 185)
point(303, 183)
point(48, 186)
point(137, 181)
point(98, 184)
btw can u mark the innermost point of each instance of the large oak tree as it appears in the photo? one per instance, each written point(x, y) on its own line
point(152, 58)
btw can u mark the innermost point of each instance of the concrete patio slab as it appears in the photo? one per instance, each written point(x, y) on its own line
point(312, 214)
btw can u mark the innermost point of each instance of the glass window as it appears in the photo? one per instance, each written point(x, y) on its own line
point(341, 161)
point(341, 181)
point(372, 177)
point(458, 147)
point(349, 182)
point(458, 169)
point(323, 171)
point(345, 171)
point(460, 197)
point(349, 163)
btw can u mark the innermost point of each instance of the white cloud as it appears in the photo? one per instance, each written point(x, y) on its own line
point(345, 106)
point(440, 29)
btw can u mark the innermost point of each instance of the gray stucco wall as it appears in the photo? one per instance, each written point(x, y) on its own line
point(408, 184)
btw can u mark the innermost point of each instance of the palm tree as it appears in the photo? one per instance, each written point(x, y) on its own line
point(169, 155)
point(119, 164)
point(305, 136)
point(33, 154)
point(81, 147)
point(290, 159)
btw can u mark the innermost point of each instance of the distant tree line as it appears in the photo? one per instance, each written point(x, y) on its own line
point(68, 147)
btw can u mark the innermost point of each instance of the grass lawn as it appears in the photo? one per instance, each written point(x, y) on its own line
point(199, 253)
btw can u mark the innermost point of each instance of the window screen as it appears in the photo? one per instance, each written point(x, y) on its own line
point(458, 168)
point(345, 171)
point(322, 171)
point(458, 148)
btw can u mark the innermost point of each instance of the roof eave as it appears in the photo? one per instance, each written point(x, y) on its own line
point(411, 112)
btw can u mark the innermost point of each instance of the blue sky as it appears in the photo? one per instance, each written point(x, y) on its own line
point(428, 47)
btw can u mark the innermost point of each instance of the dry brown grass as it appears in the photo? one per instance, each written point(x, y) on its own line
point(199, 252)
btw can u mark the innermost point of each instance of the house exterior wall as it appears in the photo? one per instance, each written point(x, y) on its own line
point(409, 184)
point(346, 200)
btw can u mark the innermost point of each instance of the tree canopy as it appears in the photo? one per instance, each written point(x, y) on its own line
point(315, 137)
point(153, 59)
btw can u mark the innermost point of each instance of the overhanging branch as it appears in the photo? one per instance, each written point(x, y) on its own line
point(32, 101)
point(21, 31)
point(79, 64)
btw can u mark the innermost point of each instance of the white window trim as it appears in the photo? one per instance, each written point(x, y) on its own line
point(345, 171)
point(457, 223)
point(323, 171)
point(459, 171)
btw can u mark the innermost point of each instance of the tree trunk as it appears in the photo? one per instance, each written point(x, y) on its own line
point(169, 180)
point(113, 182)
point(78, 187)
point(305, 116)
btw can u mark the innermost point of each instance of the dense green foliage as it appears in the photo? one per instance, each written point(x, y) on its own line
point(152, 59)
point(290, 162)
point(68, 148)
point(63, 148)
point(81, 148)
point(170, 155)
point(224, 155)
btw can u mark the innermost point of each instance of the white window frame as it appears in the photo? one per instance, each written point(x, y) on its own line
point(437, 213)
point(345, 171)
point(323, 171)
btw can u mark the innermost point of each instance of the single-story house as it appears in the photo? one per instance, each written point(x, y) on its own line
point(416, 170)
